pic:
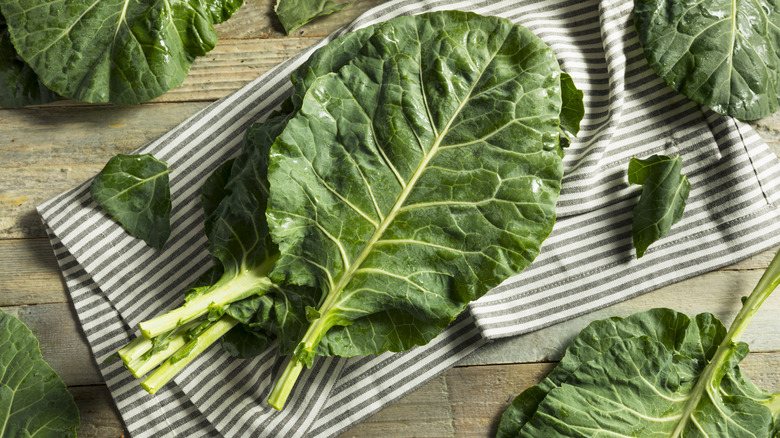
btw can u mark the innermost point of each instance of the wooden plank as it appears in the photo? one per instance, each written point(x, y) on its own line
point(256, 19)
point(63, 345)
point(99, 417)
point(30, 275)
point(425, 412)
point(466, 401)
point(46, 151)
point(233, 64)
point(717, 292)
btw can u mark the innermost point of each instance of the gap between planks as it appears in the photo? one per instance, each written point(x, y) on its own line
point(465, 401)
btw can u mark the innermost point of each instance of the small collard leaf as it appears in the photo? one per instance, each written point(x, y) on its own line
point(722, 54)
point(134, 190)
point(295, 13)
point(34, 401)
point(661, 205)
point(573, 107)
point(19, 85)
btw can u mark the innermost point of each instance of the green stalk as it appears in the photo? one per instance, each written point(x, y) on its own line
point(243, 285)
point(713, 373)
point(285, 384)
point(139, 356)
point(184, 355)
point(303, 356)
point(145, 364)
point(135, 349)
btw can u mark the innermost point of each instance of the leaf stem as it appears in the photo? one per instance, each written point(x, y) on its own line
point(712, 375)
point(135, 349)
point(243, 285)
point(184, 355)
point(139, 356)
point(286, 382)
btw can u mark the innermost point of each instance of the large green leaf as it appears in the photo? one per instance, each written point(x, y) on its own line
point(134, 190)
point(34, 401)
point(721, 53)
point(633, 377)
point(662, 202)
point(416, 178)
point(674, 330)
point(295, 13)
point(118, 51)
point(234, 199)
point(644, 393)
point(19, 85)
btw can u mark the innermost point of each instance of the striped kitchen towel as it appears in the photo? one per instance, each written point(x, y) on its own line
point(588, 262)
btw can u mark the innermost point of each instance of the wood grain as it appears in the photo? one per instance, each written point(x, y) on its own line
point(256, 20)
point(64, 346)
point(464, 402)
point(99, 417)
point(62, 342)
point(47, 149)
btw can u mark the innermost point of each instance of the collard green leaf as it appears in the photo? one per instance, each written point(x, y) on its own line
point(418, 182)
point(639, 388)
point(234, 199)
point(697, 339)
point(134, 190)
point(572, 108)
point(640, 377)
point(116, 51)
point(664, 192)
point(213, 192)
point(19, 85)
point(243, 342)
point(34, 401)
point(723, 54)
point(295, 13)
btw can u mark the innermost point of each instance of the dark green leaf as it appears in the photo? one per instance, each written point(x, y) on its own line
point(255, 310)
point(674, 330)
point(234, 199)
point(134, 190)
point(213, 192)
point(19, 85)
point(295, 13)
point(723, 54)
point(633, 376)
point(243, 342)
point(114, 51)
point(639, 388)
point(421, 174)
point(34, 401)
point(573, 108)
point(661, 205)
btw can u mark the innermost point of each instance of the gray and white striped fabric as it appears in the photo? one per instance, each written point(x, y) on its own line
point(117, 281)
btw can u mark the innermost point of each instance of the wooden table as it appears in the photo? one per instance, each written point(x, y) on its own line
point(48, 149)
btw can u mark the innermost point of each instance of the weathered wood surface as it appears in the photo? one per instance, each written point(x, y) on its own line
point(465, 402)
point(47, 149)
